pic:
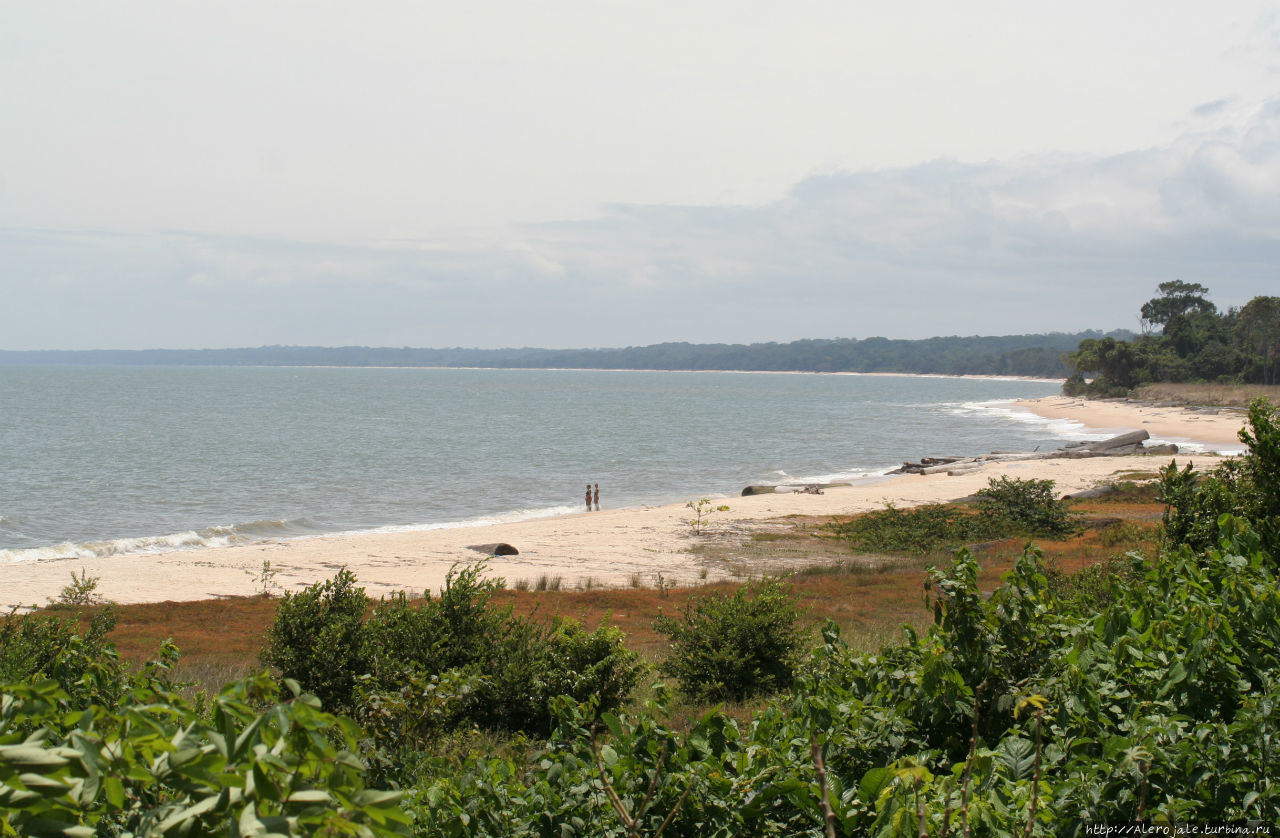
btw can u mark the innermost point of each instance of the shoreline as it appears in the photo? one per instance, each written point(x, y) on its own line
point(642, 547)
point(646, 546)
point(1166, 423)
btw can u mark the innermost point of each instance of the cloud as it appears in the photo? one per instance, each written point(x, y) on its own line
point(1213, 108)
point(1038, 243)
point(1210, 200)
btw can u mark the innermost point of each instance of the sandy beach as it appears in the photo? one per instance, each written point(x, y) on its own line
point(612, 547)
point(1172, 424)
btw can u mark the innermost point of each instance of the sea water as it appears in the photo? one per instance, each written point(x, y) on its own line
point(103, 460)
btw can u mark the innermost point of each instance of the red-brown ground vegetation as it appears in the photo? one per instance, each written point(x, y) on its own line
point(870, 597)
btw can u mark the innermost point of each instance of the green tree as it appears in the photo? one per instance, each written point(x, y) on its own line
point(1177, 299)
point(1258, 330)
point(1115, 363)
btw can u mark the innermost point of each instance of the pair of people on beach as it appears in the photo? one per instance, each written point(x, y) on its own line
point(596, 495)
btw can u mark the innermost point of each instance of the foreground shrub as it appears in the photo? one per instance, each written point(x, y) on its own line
point(413, 670)
point(154, 766)
point(46, 647)
point(732, 648)
point(316, 639)
point(1247, 487)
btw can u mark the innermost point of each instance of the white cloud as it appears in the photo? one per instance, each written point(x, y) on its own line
point(578, 173)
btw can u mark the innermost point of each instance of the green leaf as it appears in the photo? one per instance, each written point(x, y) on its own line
point(263, 787)
point(1018, 755)
point(374, 797)
point(28, 756)
point(16, 798)
point(311, 797)
point(249, 823)
point(245, 737)
point(189, 813)
point(114, 790)
point(44, 786)
point(47, 826)
point(873, 782)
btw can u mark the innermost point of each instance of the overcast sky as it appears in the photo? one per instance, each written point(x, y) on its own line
point(600, 173)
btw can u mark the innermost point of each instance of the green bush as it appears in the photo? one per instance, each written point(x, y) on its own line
point(155, 766)
point(1247, 487)
point(734, 647)
point(40, 646)
point(532, 664)
point(317, 640)
point(1030, 506)
point(431, 635)
point(411, 670)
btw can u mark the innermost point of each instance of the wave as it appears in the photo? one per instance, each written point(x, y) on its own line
point(1072, 430)
point(1189, 446)
point(221, 536)
point(855, 476)
point(1003, 410)
point(247, 533)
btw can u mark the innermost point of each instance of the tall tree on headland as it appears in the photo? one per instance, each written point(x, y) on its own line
point(1177, 299)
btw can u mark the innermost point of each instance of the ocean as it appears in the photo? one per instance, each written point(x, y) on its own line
point(105, 460)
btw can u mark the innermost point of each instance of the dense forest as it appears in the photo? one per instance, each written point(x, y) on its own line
point(1184, 338)
point(1024, 355)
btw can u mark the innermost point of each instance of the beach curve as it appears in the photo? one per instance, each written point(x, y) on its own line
point(614, 547)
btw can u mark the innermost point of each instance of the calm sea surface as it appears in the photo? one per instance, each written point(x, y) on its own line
point(98, 460)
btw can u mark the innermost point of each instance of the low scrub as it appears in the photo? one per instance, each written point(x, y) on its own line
point(1007, 507)
point(1028, 507)
point(1219, 395)
point(732, 648)
point(412, 669)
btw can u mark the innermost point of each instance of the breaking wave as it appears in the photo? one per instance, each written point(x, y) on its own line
point(189, 540)
point(255, 531)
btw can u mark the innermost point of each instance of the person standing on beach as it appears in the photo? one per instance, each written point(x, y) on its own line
point(597, 497)
point(588, 497)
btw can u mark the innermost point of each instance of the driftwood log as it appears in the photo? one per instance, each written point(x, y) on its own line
point(787, 489)
point(1127, 443)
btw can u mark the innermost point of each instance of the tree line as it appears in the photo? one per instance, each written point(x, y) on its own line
point(1184, 339)
point(1035, 355)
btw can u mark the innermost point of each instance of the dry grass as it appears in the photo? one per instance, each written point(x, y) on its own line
point(1208, 395)
point(870, 597)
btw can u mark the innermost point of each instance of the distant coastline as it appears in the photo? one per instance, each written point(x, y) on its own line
point(1013, 356)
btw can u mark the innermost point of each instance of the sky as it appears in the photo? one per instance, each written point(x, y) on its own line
point(568, 174)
